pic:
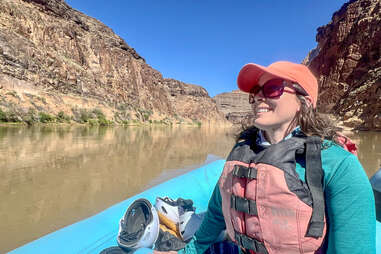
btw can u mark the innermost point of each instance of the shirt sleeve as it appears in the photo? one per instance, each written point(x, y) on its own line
point(211, 227)
point(350, 209)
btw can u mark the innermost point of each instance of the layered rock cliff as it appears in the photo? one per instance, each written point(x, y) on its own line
point(348, 65)
point(56, 60)
point(235, 106)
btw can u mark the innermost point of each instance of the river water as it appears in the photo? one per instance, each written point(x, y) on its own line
point(53, 176)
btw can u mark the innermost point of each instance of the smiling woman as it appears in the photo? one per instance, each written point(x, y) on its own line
point(294, 161)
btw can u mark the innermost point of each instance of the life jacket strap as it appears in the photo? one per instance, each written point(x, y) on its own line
point(249, 243)
point(314, 180)
point(245, 172)
point(243, 205)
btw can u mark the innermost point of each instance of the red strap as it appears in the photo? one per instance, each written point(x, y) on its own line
point(347, 144)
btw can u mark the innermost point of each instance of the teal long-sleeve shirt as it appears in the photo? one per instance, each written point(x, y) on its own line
point(349, 202)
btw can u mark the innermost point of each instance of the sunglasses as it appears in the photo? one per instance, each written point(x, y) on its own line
point(274, 88)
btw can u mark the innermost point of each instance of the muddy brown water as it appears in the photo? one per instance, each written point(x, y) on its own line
point(53, 176)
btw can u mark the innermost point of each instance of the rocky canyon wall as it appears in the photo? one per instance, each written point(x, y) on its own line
point(348, 65)
point(57, 60)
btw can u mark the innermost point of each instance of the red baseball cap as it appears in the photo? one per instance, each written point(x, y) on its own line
point(249, 75)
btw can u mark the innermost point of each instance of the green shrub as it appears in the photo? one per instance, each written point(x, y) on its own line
point(145, 116)
point(103, 122)
point(31, 117)
point(46, 118)
point(62, 117)
point(84, 116)
point(99, 114)
point(198, 123)
point(3, 116)
point(93, 122)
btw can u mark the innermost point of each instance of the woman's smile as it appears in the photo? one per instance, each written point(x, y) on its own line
point(261, 109)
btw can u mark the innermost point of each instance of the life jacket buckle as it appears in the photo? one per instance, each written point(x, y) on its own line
point(244, 172)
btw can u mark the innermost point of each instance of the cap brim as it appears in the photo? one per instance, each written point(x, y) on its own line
point(250, 74)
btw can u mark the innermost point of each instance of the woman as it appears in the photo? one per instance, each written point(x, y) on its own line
point(289, 186)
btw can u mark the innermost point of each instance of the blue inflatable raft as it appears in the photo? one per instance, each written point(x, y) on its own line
point(99, 232)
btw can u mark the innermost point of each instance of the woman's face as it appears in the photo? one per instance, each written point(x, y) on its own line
point(274, 114)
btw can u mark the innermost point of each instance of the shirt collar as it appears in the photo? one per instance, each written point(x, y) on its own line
point(261, 139)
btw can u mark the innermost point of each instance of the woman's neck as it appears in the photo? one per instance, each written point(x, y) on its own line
point(274, 136)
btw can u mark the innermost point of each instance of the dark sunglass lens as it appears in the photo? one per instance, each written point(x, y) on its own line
point(273, 88)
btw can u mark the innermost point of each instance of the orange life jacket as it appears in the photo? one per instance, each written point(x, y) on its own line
point(267, 208)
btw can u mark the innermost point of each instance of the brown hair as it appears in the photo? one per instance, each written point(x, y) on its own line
point(311, 122)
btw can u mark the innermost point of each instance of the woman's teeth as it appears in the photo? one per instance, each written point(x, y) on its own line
point(262, 110)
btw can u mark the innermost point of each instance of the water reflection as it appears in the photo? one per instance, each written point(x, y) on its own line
point(369, 144)
point(52, 176)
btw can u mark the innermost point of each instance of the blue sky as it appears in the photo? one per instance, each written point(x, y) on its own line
point(206, 42)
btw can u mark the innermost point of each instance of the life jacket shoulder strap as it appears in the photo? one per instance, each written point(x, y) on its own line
point(314, 180)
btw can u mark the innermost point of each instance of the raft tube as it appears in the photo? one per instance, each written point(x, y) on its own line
point(96, 233)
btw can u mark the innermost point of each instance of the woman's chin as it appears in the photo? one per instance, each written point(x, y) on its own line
point(263, 119)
